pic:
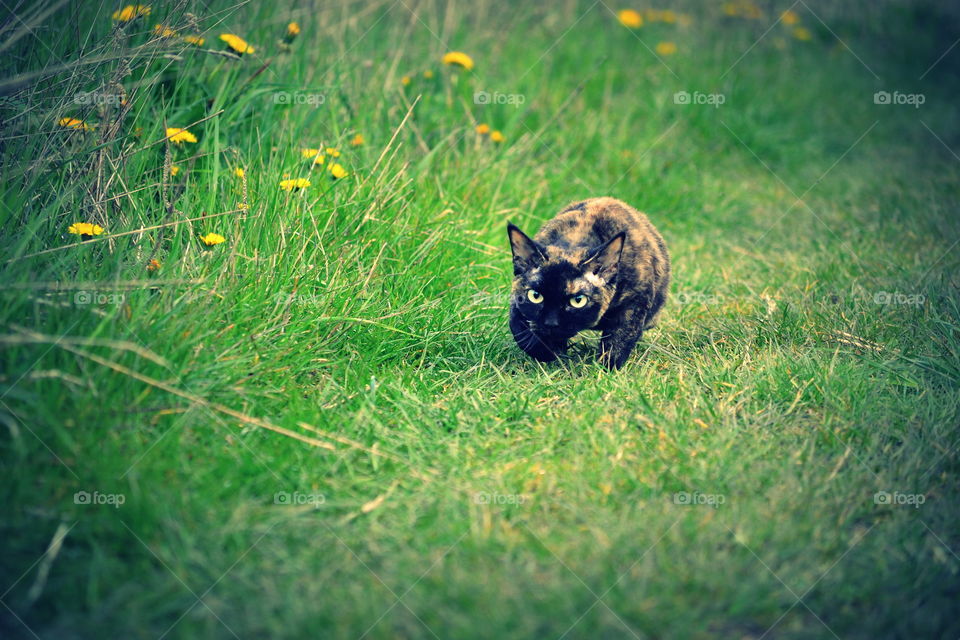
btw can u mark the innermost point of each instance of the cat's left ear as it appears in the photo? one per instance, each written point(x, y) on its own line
point(605, 259)
point(526, 252)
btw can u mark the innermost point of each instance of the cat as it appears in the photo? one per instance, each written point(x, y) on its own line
point(599, 264)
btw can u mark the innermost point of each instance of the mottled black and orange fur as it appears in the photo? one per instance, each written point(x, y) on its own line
point(602, 249)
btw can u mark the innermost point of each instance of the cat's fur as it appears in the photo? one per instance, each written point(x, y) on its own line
point(600, 248)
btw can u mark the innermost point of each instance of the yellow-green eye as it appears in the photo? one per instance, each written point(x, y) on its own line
point(534, 296)
point(578, 301)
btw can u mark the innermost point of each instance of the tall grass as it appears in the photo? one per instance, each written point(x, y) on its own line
point(322, 427)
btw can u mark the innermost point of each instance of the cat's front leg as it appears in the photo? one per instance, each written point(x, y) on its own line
point(620, 335)
point(533, 345)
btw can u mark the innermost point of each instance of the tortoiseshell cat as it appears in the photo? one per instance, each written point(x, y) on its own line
point(599, 264)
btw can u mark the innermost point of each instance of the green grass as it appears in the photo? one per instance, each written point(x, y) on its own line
point(349, 341)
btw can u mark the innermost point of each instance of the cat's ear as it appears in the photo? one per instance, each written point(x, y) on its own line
point(526, 252)
point(605, 259)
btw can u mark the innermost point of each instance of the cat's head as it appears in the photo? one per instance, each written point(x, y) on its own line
point(562, 292)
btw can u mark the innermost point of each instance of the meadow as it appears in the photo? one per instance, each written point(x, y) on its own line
point(256, 379)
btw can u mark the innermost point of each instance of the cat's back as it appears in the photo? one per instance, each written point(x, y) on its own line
point(591, 222)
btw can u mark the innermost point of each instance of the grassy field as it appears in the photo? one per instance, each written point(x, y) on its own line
point(321, 427)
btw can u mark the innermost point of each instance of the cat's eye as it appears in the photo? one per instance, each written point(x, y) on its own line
point(534, 296)
point(578, 302)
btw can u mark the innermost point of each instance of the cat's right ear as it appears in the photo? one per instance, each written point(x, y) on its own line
point(526, 252)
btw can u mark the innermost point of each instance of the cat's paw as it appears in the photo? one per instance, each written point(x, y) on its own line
point(544, 354)
point(614, 358)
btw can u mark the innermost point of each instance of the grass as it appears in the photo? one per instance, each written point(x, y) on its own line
point(346, 348)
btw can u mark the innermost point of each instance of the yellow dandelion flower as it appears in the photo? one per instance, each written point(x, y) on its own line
point(212, 239)
point(333, 153)
point(239, 172)
point(429, 73)
point(73, 123)
point(802, 33)
point(666, 48)
point(337, 171)
point(483, 129)
point(630, 18)
point(294, 184)
point(668, 16)
point(496, 136)
point(458, 59)
point(357, 140)
point(238, 44)
point(194, 40)
point(179, 136)
point(293, 30)
point(85, 229)
point(405, 81)
point(789, 17)
point(131, 12)
point(743, 8)
point(164, 31)
point(752, 11)
point(174, 170)
point(154, 265)
point(316, 155)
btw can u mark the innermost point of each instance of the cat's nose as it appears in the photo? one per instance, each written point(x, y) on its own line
point(551, 321)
